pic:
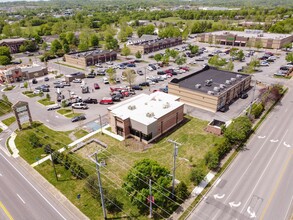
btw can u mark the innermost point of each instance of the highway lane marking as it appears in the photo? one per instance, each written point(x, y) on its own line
point(263, 171)
point(33, 186)
point(261, 137)
point(287, 145)
point(288, 211)
point(6, 211)
point(252, 214)
point(274, 141)
point(239, 180)
point(233, 204)
point(1, 174)
point(285, 166)
point(217, 196)
point(21, 198)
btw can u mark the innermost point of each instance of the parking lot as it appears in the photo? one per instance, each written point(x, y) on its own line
point(54, 119)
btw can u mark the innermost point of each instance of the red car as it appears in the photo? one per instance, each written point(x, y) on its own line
point(96, 86)
point(169, 71)
point(184, 68)
point(106, 101)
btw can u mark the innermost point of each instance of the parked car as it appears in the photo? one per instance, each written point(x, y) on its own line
point(121, 66)
point(77, 81)
point(78, 118)
point(225, 108)
point(264, 63)
point(91, 75)
point(131, 65)
point(90, 101)
point(53, 107)
point(46, 79)
point(136, 87)
point(96, 86)
point(105, 80)
point(144, 84)
point(37, 92)
point(117, 80)
point(106, 101)
point(161, 73)
point(34, 81)
point(79, 105)
point(243, 95)
point(139, 72)
point(150, 68)
point(60, 85)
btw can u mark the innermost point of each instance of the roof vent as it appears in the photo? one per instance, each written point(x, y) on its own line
point(211, 92)
point(150, 114)
point(197, 86)
point(131, 107)
point(217, 89)
point(209, 82)
point(166, 105)
point(238, 76)
point(233, 79)
point(228, 82)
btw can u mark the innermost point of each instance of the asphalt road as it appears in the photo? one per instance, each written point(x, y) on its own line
point(21, 197)
point(258, 185)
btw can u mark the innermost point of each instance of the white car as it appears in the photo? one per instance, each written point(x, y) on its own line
point(76, 81)
point(109, 63)
point(150, 68)
point(37, 91)
point(105, 80)
point(79, 105)
point(264, 63)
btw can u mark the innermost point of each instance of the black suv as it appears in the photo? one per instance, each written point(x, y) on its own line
point(90, 101)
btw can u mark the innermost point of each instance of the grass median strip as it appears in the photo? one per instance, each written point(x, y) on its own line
point(68, 113)
point(9, 121)
point(46, 102)
point(30, 94)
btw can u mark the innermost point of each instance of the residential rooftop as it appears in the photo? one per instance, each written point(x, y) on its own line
point(251, 33)
point(210, 80)
point(146, 109)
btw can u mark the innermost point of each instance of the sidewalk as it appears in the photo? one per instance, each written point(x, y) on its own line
point(195, 192)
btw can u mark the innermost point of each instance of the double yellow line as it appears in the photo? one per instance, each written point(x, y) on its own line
point(5, 210)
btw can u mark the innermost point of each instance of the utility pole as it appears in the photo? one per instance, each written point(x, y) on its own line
point(101, 126)
point(253, 92)
point(53, 163)
point(151, 199)
point(176, 144)
point(99, 182)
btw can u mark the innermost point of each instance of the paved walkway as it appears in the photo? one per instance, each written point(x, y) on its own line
point(195, 192)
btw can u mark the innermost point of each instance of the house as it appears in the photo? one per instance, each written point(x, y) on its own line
point(209, 88)
point(146, 117)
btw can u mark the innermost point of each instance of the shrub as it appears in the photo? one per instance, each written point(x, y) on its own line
point(197, 175)
point(181, 191)
point(212, 159)
point(257, 109)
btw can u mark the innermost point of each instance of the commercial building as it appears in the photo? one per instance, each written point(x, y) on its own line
point(20, 73)
point(13, 44)
point(90, 58)
point(146, 117)
point(248, 38)
point(145, 47)
point(209, 88)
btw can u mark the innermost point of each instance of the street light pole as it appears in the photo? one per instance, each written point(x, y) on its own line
point(176, 144)
point(253, 93)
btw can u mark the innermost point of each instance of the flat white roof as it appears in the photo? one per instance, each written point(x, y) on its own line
point(146, 109)
point(251, 34)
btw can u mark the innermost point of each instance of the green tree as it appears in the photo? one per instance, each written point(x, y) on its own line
point(238, 130)
point(240, 55)
point(94, 40)
point(258, 44)
point(125, 51)
point(180, 60)
point(5, 51)
point(25, 84)
point(217, 61)
point(112, 74)
point(138, 54)
point(185, 33)
point(171, 53)
point(289, 57)
point(44, 46)
point(83, 46)
point(193, 48)
point(66, 48)
point(111, 43)
point(4, 60)
point(233, 52)
point(229, 66)
point(181, 191)
point(55, 46)
point(212, 159)
point(130, 76)
point(7, 31)
point(137, 186)
point(158, 57)
point(197, 175)
point(257, 109)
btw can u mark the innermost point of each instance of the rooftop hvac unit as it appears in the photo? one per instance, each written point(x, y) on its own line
point(198, 86)
point(238, 76)
point(150, 114)
point(233, 79)
point(211, 93)
point(222, 86)
point(166, 105)
point(209, 82)
point(217, 89)
point(131, 107)
point(228, 82)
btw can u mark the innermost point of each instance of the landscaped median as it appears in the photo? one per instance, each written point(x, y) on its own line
point(9, 121)
point(68, 113)
point(30, 94)
point(46, 101)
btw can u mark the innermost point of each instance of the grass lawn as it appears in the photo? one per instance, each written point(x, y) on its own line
point(68, 113)
point(71, 115)
point(1, 130)
point(30, 94)
point(4, 107)
point(56, 139)
point(46, 102)
point(9, 121)
point(64, 64)
point(80, 133)
point(8, 88)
